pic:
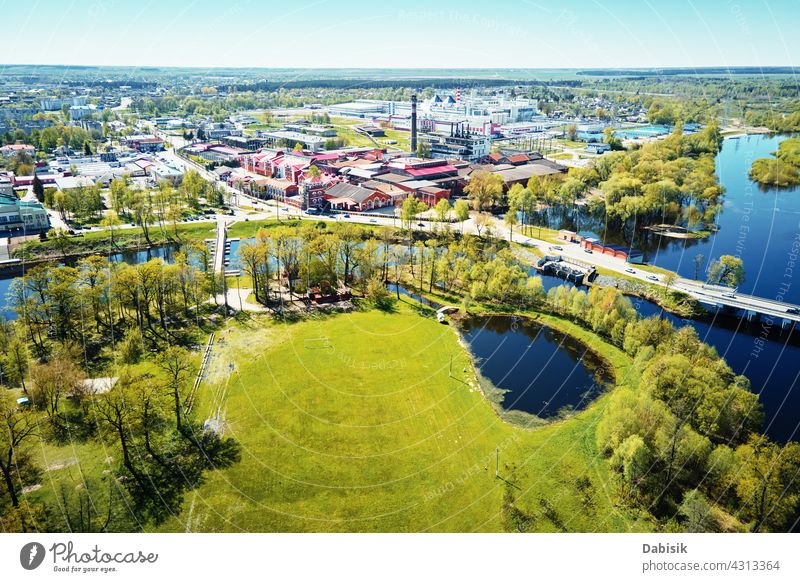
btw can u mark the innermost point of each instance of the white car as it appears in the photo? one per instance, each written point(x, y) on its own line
point(652, 277)
point(631, 271)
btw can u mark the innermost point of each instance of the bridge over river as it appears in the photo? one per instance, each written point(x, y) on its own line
point(717, 296)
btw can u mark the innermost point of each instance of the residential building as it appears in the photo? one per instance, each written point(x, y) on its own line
point(19, 217)
point(11, 150)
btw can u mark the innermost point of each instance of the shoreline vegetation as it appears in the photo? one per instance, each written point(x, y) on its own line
point(780, 171)
point(637, 458)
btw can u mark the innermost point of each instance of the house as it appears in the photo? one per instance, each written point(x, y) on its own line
point(12, 150)
point(343, 196)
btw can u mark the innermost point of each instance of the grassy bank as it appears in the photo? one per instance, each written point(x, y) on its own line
point(353, 423)
point(124, 239)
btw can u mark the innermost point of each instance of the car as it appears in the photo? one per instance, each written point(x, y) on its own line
point(556, 248)
point(346, 215)
point(729, 295)
point(588, 251)
point(373, 220)
point(793, 310)
point(421, 224)
point(631, 271)
point(652, 277)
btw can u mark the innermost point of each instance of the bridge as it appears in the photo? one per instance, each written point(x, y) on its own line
point(718, 296)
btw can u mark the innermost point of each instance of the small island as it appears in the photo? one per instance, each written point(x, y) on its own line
point(782, 170)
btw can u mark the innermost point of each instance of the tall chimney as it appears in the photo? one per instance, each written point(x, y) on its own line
point(413, 124)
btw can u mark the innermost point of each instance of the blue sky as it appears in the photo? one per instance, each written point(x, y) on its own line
point(408, 33)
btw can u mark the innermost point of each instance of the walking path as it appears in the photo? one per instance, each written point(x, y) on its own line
point(219, 249)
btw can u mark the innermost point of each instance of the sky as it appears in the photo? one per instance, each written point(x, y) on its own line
point(406, 34)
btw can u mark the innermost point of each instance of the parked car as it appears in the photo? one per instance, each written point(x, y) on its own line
point(421, 224)
point(373, 220)
point(652, 277)
point(631, 271)
point(556, 248)
point(346, 215)
point(588, 251)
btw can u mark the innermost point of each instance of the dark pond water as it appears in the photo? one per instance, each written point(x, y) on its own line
point(543, 370)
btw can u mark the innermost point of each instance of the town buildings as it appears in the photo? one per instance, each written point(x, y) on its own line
point(21, 216)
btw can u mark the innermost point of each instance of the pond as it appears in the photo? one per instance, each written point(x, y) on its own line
point(543, 371)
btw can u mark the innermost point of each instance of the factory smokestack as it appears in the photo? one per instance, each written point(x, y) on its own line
point(413, 123)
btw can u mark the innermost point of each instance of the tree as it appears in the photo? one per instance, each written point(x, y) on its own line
point(461, 210)
point(15, 361)
point(511, 221)
point(484, 189)
point(767, 485)
point(111, 221)
point(377, 293)
point(409, 211)
point(572, 132)
point(698, 265)
point(16, 426)
point(669, 280)
point(298, 147)
point(87, 148)
point(442, 209)
point(697, 513)
point(177, 364)
point(313, 172)
point(728, 270)
point(482, 221)
point(38, 188)
point(54, 380)
point(423, 149)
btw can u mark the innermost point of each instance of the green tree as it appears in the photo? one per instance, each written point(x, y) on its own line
point(461, 210)
point(38, 188)
point(484, 189)
point(727, 270)
point(423, 149)
point(17, 426)
point(767, 485)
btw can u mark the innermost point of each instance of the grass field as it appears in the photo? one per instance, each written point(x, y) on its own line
point(353, 423)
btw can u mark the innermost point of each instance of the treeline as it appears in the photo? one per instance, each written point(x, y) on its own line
point(50, 138)
point(76, 321)
point(670, 180)
point(685, 445)
point(317, 257)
